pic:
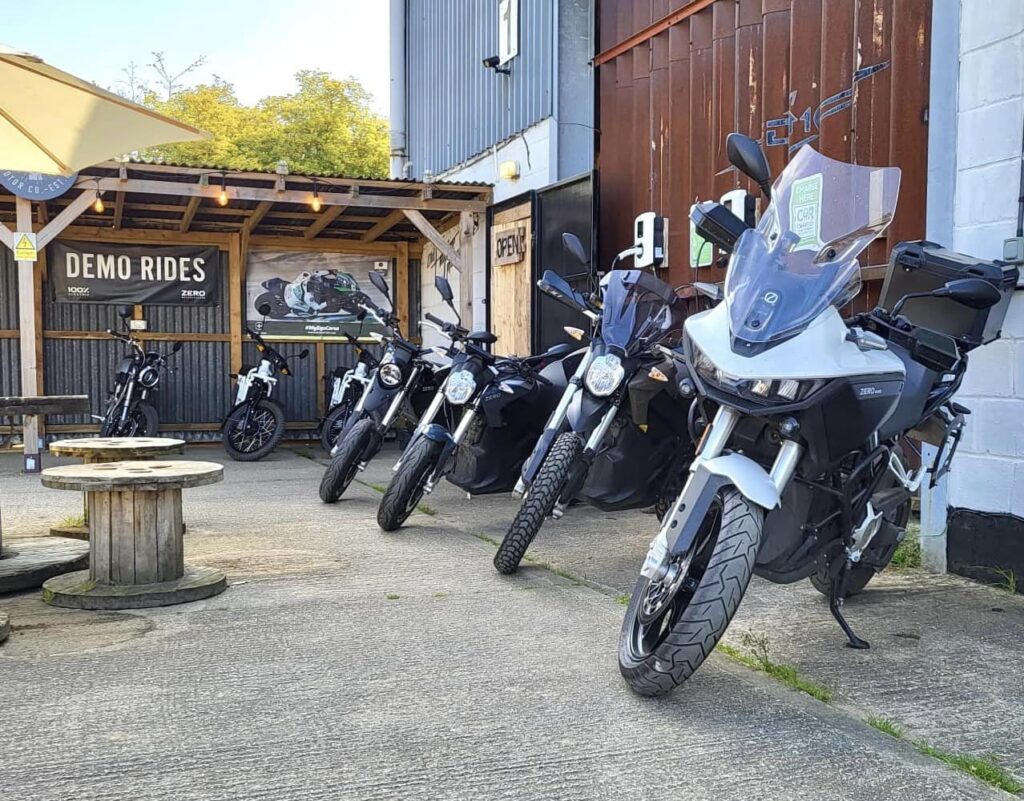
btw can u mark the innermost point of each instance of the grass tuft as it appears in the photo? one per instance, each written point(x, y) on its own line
point(623, 599)
point(908, 552)
point(1009, 580)
point(756, 658)
point(886, 726)
point(392, 597)
point(987, 769)
point(73, 521)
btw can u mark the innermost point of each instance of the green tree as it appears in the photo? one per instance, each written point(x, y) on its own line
point(326, 127)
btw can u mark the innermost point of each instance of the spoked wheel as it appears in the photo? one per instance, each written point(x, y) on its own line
point(672, 625)
point(251, 442)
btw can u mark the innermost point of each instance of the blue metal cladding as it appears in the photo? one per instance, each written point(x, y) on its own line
point(455, 107)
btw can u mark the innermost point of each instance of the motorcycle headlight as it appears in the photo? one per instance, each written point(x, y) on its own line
point(604, 375)
point(460, 387)
point(149, 376)
point(390, 375)
point(786, 390)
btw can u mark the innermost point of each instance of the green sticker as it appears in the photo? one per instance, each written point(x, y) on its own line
point(805, 212)
point(700, 249)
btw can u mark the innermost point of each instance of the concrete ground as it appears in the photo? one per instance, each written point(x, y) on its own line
point(346, 663)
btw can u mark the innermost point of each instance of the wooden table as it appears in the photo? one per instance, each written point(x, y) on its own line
point(136, 549)
point(96, 450)
point(32, 406)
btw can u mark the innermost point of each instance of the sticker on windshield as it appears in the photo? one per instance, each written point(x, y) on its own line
point(700, 248)
point(805, 212)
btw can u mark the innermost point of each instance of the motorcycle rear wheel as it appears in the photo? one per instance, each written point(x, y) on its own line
point(266, 430)
point(344, 464)
point(407, 486)
point(669, 631)
point(539, 501)
point(334, 424)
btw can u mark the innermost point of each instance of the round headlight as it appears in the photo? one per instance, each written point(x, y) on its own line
point(604, 375)
point(460, 387)
point(149, 376)
point(390, 375)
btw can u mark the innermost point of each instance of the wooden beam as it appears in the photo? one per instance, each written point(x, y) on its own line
point(65, 218)
point(424, 227)
point(190, 212)
point(467, 228)
point(324, 244)
point(258, 214)
point(145, 236)
point(236, 268)
point(42, 213)
point(385, 225)
point(400, 287)
point(320, 351)
point(180, 189)
point(325, 219)
point(28, 324)
point(118, 210)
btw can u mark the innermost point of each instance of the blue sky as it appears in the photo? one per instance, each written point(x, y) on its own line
point(257, 45)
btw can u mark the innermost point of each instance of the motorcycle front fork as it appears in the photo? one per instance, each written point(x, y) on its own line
point(440, 470)
point(578, 472)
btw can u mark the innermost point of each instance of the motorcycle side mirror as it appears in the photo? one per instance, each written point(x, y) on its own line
point(303, 353)
point(124, 312)
point(553, 285)
point(176, 347)
point(572, 244)
point(746, 156)
point(263, 309)
point(975, 293)
point(444, 289)
point(380, 284)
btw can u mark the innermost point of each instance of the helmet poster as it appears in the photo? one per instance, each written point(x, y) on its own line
point(312, 295)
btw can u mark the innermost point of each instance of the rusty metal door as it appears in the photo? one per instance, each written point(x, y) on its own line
point(849, 77)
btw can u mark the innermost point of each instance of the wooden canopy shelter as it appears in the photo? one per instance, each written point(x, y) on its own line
point(161, 204)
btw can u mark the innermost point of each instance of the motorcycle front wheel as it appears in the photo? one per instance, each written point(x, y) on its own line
point(250, 443)
point(407, 485)
point(672, 625)
point(142, 421)
point(539, 501)
point(344, 464)
point(334, 424)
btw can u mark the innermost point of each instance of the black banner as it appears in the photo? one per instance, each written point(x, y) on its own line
point(86, 272)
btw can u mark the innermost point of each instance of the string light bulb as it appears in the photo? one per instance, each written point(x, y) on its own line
point(315, 202)
point(222, 198)
point(98, 206)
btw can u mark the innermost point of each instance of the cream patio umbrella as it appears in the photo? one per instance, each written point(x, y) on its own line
point(54, 123)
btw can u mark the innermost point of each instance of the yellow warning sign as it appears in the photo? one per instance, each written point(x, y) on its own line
point(25, 246)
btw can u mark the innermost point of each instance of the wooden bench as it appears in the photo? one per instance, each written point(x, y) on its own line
point(31, 407)
point(97, 450)
point(136, 549)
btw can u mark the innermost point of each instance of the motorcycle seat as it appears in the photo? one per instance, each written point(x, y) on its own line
point(482, 338)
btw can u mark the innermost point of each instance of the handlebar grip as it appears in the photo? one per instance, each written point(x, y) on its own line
point(110, 331)
point(435, 320)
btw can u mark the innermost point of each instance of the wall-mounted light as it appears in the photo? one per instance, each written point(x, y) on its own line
point(508, 170)
point(315, 202)
point(222, 198)
point(494, 63)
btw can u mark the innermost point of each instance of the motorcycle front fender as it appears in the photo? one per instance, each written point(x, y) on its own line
point(585, 412)
point(437, 433)
point(707, 478)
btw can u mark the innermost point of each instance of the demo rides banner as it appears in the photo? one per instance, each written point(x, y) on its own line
point(310, 295)
point(86, 272)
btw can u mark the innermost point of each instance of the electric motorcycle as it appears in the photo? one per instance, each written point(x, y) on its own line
point(311, 294)
point(800, 473)
point(618, 438)
point(502, 401)
point(255, 425)
point(400, 387)
point(130, 412)
point(347, 387)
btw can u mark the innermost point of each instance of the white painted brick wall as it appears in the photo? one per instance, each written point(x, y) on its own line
point(988, 473)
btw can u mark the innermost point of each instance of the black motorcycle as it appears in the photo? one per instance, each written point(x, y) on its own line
point(801, 473)
point(618, 438)
point(502, 401)
point(255, 425)
point(400, 387)
point(129, 410)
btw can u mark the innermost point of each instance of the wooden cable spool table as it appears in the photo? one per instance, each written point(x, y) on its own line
point(97, 450)
point(136, 549)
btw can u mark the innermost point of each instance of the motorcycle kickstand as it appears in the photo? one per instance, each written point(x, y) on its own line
point(837, 591)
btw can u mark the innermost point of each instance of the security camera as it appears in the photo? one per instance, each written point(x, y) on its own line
point(492, 62)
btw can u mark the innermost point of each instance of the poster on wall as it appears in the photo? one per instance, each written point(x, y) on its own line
point(88, 272)
point(313, 295)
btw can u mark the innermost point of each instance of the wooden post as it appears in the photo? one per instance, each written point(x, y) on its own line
point(400, 288)
point(28, 325)
point(237, 250)
point(467, 227)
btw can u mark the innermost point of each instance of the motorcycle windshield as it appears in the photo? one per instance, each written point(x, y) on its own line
point(636, 304)
point(802, 257)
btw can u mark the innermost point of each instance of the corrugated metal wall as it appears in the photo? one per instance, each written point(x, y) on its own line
point(455, 107)
point(786, 71)
point(10, 359)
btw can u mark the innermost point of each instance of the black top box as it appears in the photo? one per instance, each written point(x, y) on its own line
point(922, 266)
